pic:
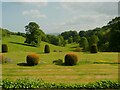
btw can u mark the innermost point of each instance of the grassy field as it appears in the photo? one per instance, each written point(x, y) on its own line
point(90, 68)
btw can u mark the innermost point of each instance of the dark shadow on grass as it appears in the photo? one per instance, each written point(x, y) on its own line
point(87, 62)
point(22, 44)
point(24, 64)
point(106, 63)
point(88, 52)
point(63, 64)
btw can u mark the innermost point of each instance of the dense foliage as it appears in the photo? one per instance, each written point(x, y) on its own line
point(47, 49)
point(35, 84)
point(114, 40)
point(71, 59)
point(4, 48)
point(33, 34)
point(56, 40)
point(84, 44)
point(71, 36)
point(106, 38)
point(32, 59)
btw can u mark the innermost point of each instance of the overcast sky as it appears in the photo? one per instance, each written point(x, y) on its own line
point(56, 17)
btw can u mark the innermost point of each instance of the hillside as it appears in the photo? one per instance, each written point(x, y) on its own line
point(106, 38)
point(16, 44)
point(85, 71)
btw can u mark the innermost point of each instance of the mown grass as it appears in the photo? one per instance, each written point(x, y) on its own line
point(85, 71)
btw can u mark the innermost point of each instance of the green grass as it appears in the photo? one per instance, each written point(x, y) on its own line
point(85, 71)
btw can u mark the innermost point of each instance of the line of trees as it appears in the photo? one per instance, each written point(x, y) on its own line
point(106, 38)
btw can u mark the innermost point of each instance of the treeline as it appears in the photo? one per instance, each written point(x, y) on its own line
point(4, 33)
point(106, 38)
point(7, 33)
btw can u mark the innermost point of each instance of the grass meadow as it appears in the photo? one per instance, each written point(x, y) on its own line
point(90, 68)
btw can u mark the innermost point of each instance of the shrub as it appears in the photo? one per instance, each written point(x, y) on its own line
point(58, 62)
point(32, 59)
point(71, 59)
point(31, 84)
point(4, 48)
point(60, 51)
point(47, 49)
point(78, 49)
point(94, 48)
point(55, 51)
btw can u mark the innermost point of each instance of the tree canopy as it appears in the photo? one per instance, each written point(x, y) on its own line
point(33, 34)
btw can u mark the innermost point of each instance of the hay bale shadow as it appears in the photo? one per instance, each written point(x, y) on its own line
point(23, 64)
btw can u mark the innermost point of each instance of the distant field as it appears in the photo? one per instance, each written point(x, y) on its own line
point(90, 68)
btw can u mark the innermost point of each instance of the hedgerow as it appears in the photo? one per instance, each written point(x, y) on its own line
point(39, 83)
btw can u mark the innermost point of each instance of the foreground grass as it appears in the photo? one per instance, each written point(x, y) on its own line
point(90, 68)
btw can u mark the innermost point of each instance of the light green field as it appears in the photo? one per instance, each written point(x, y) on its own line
point(85, 71)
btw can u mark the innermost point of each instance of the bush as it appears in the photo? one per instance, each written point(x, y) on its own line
point(71, 59)
point(94, 48)
point(58, 62)
point(4, 48)
point(55, 51)
point(60, 51)
point(32, 59)
point(47, 49)
point(40, 84)
point(78, 49)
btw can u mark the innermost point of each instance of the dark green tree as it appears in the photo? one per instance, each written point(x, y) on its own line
point(114, 40)
point(82, 33)
point(70, 39)
point(62, 42)
point(93, 40)
point(68, 34)
point(84, 43)
point(33, 34)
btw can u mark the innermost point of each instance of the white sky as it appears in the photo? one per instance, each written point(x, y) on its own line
point(56, 17)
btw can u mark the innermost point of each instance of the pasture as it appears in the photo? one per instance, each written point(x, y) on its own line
point(90, 68)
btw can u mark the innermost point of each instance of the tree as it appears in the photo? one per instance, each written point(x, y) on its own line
point(82, 33)
point(62, 41)
point(54, 39)
point(84, 43)
point(33, 34)
point(114, 40)
point(70, 39)
point(76, 39)
point(93, 40)
point(68, 34)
